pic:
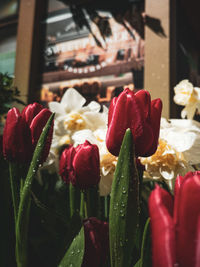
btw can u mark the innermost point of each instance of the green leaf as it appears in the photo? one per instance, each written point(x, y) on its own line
point(25, 199)
point(75, 253)
point(138, 263)
point(146, 246)
point(124, 206)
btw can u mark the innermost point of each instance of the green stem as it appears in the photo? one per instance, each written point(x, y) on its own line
point(87, 204)
point(22, 238)
point(82, 206)
point(72, 199)
point(14, 188)
point(106, 207)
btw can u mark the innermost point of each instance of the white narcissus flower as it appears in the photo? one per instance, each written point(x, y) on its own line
point(188, 96)
point(72, 116)
point(74, 123)
point(184, 136)
point(177, 152)
point(165, 164)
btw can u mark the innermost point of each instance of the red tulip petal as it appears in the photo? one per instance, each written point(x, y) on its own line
point(178, 183)
point(143, 99)
point(143, 143)
point(16, 138)
point(31, 111)
point(197, 253)
point(86, 165)
point(162, 227)
point(188, 212)
point(156, 110)
point(36, 126)
point(96, 243)
point(65, 165)
point(125, 114)
point(111, 107)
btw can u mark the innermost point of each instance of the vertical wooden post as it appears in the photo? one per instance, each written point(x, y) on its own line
point(160, 56)
point(30, 40)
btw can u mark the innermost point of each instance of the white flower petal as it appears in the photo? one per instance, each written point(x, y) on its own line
point(100, 134)
point(72, 100)
point(94, 106)
point(56, 107)
point(185, 124)
point(79, 137)
point(95, 120)
point(183, 92)
point(184, 137)
point(167, 173)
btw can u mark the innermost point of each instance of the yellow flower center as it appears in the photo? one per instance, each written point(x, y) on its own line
point(193, 97)
point(165, 156)
point(74, 122)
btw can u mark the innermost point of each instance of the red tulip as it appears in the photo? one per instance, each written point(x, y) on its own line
point(137, 112)
point(176, 239)
point(162, 227)
point(17, 144)
point(22, 131)
point(81, 165)
point(96, 243)
point(66, 159)
point(188, 214)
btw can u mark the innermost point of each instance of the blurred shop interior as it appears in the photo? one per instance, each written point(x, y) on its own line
point(99, 47)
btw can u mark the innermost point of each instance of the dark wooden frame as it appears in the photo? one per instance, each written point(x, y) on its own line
point(30, 42)
point(160, 55)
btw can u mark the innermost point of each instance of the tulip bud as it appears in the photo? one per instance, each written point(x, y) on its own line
point(137, 112)
point(22, 132)
point(65, 165)
point(16, 138)
point(81, 165)
point(30, 111)
point(96, 243)
point(162, 228)
point(36, 126)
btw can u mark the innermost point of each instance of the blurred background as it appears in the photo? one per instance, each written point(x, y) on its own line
point(99, 48)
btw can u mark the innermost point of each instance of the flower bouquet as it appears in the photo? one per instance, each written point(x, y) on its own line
point(81, 194)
